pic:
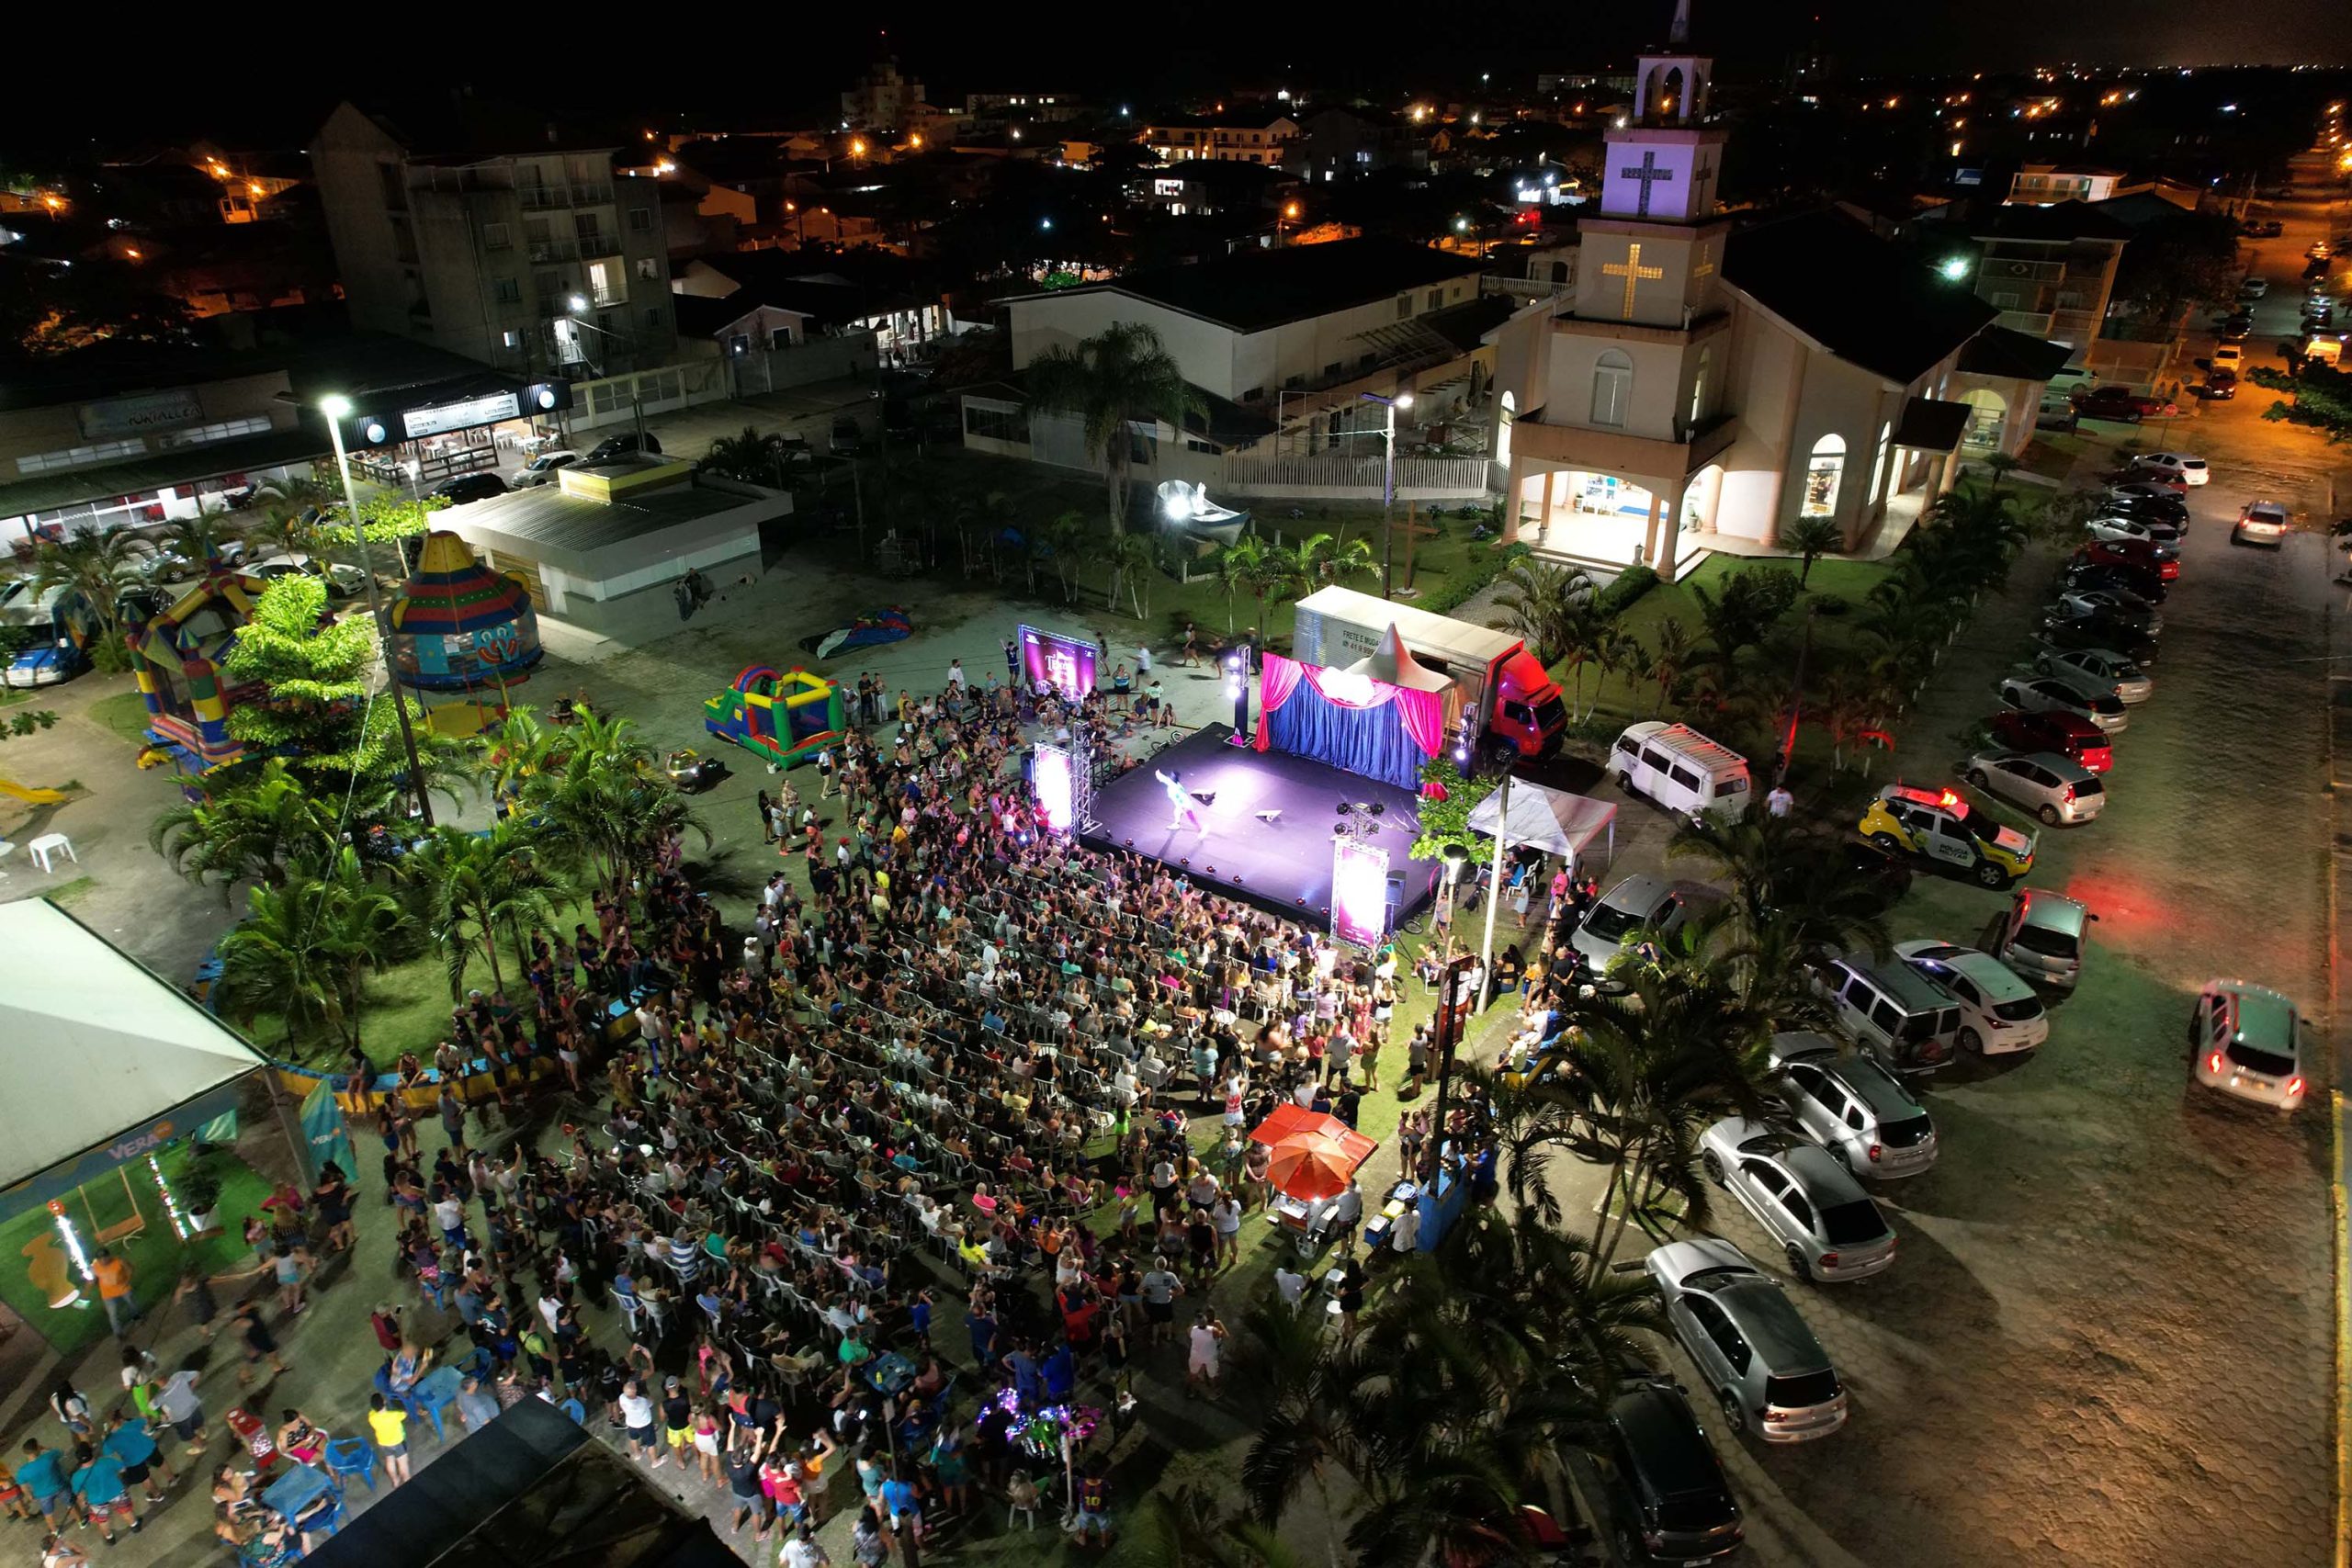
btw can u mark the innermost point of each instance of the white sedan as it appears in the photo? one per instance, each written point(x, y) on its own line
point(2184, 468)
point(1998, 1011)
point(2147, 530)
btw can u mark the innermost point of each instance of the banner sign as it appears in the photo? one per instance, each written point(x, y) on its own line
point(136, 1144)
point(1064, 663)
point(1359, 893)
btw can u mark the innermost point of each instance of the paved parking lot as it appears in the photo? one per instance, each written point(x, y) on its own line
point(2108, 1335)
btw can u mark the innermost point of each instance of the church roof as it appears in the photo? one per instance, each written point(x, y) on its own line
point(2003, 350)
point(1864, 300)
point(2060, 221)
point(1932, 424)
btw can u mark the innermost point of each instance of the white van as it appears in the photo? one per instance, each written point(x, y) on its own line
point(1679, 769)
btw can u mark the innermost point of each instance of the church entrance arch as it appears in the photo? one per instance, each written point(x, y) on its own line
point(1988, 422)
point(1700, 496)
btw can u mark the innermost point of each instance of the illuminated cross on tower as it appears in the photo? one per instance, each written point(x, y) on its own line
point(1648, 173)
point(1632, 270)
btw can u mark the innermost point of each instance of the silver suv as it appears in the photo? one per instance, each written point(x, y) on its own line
point(1770, 1374)
point(2041, 937)
point(1826, 1224)
point(1852, 1107)
point(1623, 912)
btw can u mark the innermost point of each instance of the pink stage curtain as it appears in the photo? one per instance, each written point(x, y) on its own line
point(1276, 682)
point(1424, 717)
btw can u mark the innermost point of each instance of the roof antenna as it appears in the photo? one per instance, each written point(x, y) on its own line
point(1679, 35)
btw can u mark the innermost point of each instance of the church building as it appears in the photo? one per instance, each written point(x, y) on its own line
point(1706, 386)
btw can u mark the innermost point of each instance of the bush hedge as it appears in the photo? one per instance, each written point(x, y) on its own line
point(1461, 589)
point(1630, 585)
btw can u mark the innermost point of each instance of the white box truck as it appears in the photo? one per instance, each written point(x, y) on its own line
point(1511, 702)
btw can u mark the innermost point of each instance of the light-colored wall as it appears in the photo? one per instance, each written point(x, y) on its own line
point(58, 427)
point(345, 156)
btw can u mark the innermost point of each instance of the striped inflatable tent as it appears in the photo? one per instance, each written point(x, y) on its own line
point(458, 624)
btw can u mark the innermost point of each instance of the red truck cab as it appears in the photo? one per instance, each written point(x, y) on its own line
point(1526, 712)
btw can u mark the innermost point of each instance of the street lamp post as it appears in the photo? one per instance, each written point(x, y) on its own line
point(1388, 487)
point(337, 408)
point(1494, 894)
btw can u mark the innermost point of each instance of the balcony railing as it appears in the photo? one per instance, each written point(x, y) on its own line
point(541, 198)
point(554, 251)
point(2034, 322)
point(595, 246)
point(608, 297)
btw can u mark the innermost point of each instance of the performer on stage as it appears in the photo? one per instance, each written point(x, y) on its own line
point(1182, 812)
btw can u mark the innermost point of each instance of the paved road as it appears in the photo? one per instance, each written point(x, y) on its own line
point(2109, 1337)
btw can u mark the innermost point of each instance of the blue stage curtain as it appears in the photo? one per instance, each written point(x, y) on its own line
point(1372, 742)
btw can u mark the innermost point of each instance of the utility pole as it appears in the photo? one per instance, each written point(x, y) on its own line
point(1495, 892)
point(1455, 1005)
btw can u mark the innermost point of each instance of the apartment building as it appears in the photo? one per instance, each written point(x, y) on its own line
point(1233, 139)
point(514, 247)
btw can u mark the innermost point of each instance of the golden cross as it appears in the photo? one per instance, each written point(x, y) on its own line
point(1706, 265)
point(1632, 271)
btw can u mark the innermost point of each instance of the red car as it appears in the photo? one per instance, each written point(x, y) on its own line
point(2117, 404)
point(2066, 734)
point(2137, 553)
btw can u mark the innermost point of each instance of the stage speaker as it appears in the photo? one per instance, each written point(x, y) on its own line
point(1396, 888)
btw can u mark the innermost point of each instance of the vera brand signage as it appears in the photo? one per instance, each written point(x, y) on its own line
point(148, 411)
point(473, 411)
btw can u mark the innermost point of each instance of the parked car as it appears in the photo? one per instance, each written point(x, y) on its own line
point(2063, 734)
point(2060, 417)
point(2221, 384)
point(2170, 510)
point(2061, 629)
point(1942, 827)
point(1998, 1012)
point(2250, 1041)
point(2119, 605)
point(341, 581)
point(2117, 403)
point(1826, 1224)
point(1886, 873)
point(1635, 904)
point(1770, 1374)
point(2235, 328)
point(2260, 523)
point(1852, 1107)
point(847, 439)
point(2227, 356)
point(44, 664)
point(2133, 496)
point(627, 443)
point(2156, 564)
point(2056, 789)
point(2035, 694)
point(2140, 530)
point(541, 469)
point(468, 487)
point(2099, 670)
point(2040, 936)
point(1672, 1502)
point(2146, 586)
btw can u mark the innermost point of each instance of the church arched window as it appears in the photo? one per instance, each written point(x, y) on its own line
point(1612, 388)
point(1822, 472)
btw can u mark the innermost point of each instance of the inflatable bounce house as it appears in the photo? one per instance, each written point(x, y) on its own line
point(883, 625)
point(778, 719)
point(461, 625)
point(176, 655)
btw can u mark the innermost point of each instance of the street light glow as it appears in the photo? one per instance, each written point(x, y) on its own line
point(578, 304)
point(334, 405)
point(1954, 268)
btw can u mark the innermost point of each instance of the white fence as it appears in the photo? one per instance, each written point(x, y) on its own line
point(617, 400)
point(1339, 478)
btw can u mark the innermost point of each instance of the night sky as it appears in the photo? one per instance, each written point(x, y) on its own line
point(260, 87)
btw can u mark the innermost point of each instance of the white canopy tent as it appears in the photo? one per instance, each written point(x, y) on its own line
point(1549, 820)
point(104, 1059)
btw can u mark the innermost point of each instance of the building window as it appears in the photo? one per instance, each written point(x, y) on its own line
point(1404, 306)
point(1613, 388)
point(1698, 384)
point(1878, 463)
point(506, 290)
point(497, 236)
point(1436, 297)
point(640, 222)
point(80, 456)
point(648, 269)
point(222, 430)
point(653, 315)
point(997, 421)
point(1822, 472)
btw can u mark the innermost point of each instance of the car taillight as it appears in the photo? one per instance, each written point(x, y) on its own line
point(1874, 1151)
point(2294, 1087)
point(1829, 1261)
point(1771, 1415)
point(2213, 1063)
point(2068, 793)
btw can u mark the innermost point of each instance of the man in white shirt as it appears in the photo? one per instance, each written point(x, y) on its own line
point(1346, 1212)
point(1290, 1284)
point(1405, 1235)
point(956, 673)
point(1201, 1365)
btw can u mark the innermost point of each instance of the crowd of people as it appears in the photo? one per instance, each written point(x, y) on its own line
point(965, 1067)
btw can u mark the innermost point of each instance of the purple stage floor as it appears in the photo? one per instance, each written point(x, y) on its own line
point(1284, 865)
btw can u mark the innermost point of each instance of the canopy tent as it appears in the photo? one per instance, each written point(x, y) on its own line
point(1546, 818)
point(1394, 662)
point(105, 1060)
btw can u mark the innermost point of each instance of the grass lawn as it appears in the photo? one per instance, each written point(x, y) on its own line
point(156, 1254)
point(125, 713)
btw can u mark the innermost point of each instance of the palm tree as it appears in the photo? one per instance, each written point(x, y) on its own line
point(198, 541)
point(1132, 565)
point(286, 530)
point(1810, 537)
point(605, 807)
point(305, 948)
point(474, 884)
point(1062, 537)
point(1670, 661)
point(1239, 567)
point(753, 456)
point(521, 748)
point(98, 565)
point(249, 832)
point(1548, 605)
point(1119, 376)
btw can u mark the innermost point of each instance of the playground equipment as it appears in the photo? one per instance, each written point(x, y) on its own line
point(461, 625)
point(883, 625)
point(176, 654)
point(29, 795)
point(778, 719)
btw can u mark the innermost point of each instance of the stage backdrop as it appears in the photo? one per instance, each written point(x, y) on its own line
point(1064, 663)
point(1352, 722)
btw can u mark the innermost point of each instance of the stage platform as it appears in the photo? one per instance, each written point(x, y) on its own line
point(1283, 865)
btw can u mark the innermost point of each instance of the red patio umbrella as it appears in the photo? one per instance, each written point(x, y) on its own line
point(1314, 1154)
